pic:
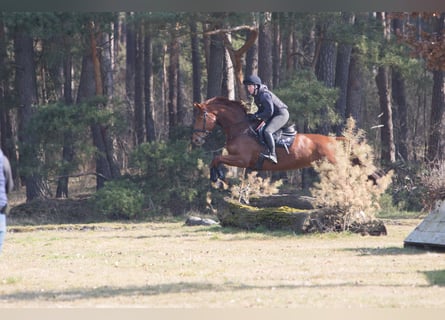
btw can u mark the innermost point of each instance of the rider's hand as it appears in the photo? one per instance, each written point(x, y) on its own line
point(253, 117)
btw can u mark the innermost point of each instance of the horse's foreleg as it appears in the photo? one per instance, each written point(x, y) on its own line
point(217, 173)
point(230, 160)
point(216, 169)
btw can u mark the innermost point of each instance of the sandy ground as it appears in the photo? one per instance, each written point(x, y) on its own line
point(169, 265)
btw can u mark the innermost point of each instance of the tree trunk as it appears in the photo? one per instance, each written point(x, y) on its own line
point(326, 62)
point(436, 140)
point(36, 186)
point(216, 59)
point(234, 61)
point(383, 83)
point(288, 47)
point(342, 75)
point(387, 132)
point(106, 167)
point(173, 71)
point(276, 57)
point(252, 52)
point(309, 45)
point(265, 46)
point(108, 65)
point(183, 110)
point(341, 82)
point(354, 97)
point(67, 151)
point(325, 70)
point(229, 76)
point(400, 103)
point(148, 85)
point(161, 111)
point(196, 62)
point(139, 85)
point(130, 67)
point(401, 109)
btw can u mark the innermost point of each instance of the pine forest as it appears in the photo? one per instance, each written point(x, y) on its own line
point(110, 95)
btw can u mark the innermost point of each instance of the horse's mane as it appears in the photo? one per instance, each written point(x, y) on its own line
point(227, 102)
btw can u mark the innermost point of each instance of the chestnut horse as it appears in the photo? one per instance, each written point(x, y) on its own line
point(243, 146)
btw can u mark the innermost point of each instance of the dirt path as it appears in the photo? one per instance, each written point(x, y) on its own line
point(171, 265)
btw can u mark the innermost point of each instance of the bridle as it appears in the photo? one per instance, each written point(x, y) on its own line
point(204, 130)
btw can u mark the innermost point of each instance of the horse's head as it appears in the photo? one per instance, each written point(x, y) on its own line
point(228, 114)
point(204, 123)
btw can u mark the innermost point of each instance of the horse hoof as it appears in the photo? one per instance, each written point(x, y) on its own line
point(220, 185)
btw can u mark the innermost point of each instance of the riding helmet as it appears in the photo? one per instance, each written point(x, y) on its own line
point(252, 80)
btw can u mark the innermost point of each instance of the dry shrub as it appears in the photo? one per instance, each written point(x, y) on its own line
point(254, 186)
point(345, 188)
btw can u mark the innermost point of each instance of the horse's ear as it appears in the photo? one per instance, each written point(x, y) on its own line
point(198, 105)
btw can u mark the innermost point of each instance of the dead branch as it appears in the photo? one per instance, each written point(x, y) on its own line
point(236, 55)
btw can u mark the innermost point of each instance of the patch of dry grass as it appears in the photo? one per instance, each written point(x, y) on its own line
point(166, 264)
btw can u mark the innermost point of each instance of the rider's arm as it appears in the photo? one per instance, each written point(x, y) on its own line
point(267, 104)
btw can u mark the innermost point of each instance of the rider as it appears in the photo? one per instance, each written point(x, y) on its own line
point(271, 110)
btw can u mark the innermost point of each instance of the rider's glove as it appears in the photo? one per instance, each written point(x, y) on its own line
point(253, 117)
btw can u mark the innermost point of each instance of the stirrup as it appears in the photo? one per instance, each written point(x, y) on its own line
point(271, 157)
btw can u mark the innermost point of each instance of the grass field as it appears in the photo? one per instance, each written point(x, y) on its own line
point(169, 265)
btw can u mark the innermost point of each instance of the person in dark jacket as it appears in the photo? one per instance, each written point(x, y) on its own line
point(271, 110)
point(6, 185)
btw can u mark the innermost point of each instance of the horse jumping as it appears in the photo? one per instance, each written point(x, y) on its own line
point(243, 147)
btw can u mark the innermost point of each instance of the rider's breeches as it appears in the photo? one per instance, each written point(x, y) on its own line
point(277, 122)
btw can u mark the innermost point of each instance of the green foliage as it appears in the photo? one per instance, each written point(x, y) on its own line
point(417, 186)
point(119, 199)
point(54, 125)
point(408, 191)
point(172, 175)
point(47, 25)
point(308, 98)
point(433, 181)
point(390, 210)
point(344, 187)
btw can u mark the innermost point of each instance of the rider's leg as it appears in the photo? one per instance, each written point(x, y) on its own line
point(274, 125)
point(270, 142)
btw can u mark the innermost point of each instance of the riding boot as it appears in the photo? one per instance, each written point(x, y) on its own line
point(270, 142)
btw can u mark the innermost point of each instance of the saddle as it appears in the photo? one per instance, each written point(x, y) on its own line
point(283, 137)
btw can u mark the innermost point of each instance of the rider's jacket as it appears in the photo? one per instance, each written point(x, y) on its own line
point(269, 105)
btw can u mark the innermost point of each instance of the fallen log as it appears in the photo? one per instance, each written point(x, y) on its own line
point(280, 200)
point(237, 215)
point(247, 217)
